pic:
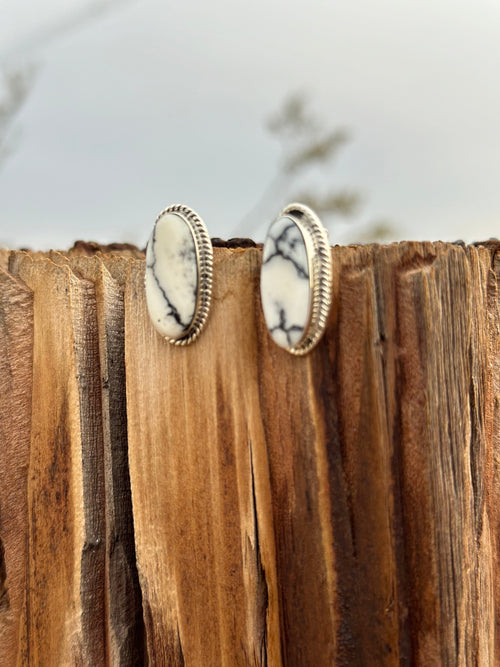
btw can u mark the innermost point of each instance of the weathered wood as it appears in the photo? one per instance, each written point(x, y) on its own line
point(372, 445)
point(16, 364)
point(199, 450)
point(64, 616)
point(335, 509)
point(4, 259)
point(122, 592)
point(488, 471)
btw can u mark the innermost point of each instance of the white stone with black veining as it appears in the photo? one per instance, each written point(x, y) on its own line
point(284, 286)
point(171, 276)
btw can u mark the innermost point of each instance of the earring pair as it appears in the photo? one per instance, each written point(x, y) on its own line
point(296, 277)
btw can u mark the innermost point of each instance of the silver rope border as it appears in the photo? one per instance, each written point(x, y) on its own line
point(204, 262)
point(320, 265)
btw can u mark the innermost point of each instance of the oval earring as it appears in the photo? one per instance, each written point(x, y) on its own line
point(296, 279)
point(178, 279)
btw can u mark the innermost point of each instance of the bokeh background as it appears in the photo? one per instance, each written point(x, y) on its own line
point(382, 114)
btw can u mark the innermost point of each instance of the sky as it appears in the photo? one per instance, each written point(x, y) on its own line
point(139, 104)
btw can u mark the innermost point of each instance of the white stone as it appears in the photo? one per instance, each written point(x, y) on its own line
point(171, 276)
point(285, 291)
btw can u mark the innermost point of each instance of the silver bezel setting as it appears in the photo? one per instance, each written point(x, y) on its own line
point(204, 263)
point(320, 274)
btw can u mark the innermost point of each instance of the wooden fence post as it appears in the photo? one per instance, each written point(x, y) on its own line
point(230, 504)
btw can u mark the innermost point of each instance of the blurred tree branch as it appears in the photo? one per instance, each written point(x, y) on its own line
point(377, 231)
point(16, 82)
point(15, 85)
point(342, 202)
point(308, 142)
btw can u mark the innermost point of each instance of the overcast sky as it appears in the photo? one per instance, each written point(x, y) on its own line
point(154, 103)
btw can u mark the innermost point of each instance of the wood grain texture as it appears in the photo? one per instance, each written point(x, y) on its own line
point(65, 571)
point(230, 504)
point(16, 364)
point(200, 452)
point(4, 259)
point(122, 592)
point(490, 474)
point(374, 463)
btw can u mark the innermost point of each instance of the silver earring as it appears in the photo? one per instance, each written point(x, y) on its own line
point(178, 280)
point(296, 279)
